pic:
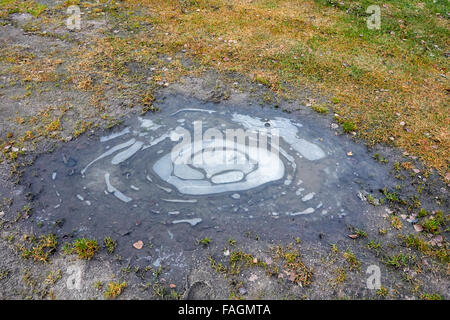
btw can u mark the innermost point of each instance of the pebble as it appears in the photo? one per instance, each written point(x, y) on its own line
point(242, 291)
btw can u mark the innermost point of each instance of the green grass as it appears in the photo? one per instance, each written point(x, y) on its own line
point(205, 241)
point(109, 244)
point(399, 260)
point(320, 109)
point(231, 241)
point(84, 248)
point(372, 244)
point(353, 262)
point(114, 289)
point(383, 292)
point(41, 249)
point(348, 126)
point(433, 224)
point(431, 296)
point(14, 6)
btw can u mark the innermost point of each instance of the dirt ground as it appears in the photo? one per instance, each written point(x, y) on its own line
point(43, 109)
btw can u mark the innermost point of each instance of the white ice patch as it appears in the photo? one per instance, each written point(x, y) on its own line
point(148, 124)
point(119, 195)
point(115, 135)
point(126, 154)
point(193, 222)
point(287, 130)
point(109, 152)
point(193, 110)
point(180, 200)
point(307, 211)
point(224, 173)
point(309, 196)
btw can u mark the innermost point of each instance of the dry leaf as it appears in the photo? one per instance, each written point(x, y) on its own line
point(138, 245)
point(292, 276)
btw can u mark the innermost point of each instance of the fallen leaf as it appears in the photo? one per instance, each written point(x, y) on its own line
point(292, 276)
point(418, 228)
point(138, 245)
point(172, 286)
point(255, 260)
point(349, 153)
point(353, 236)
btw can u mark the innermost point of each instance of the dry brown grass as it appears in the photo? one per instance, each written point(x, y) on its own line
point(378, 79)
point(379, 82)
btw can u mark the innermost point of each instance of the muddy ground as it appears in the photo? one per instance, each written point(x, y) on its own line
point(263, 257)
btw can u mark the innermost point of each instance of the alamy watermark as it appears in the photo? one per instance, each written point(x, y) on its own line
point(236, 146)
point(73, 22)
point(373, 282)
point(374, 20)
point(74, 279)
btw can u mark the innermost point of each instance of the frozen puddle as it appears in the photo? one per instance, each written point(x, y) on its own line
point(197, 165)
point(201, 157)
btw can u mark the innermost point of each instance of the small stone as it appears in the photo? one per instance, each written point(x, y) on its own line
point(253, 278)
point(402, 123)
point(412, 219)
point(242, 291)
point(418, 228)
point(349, 153)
